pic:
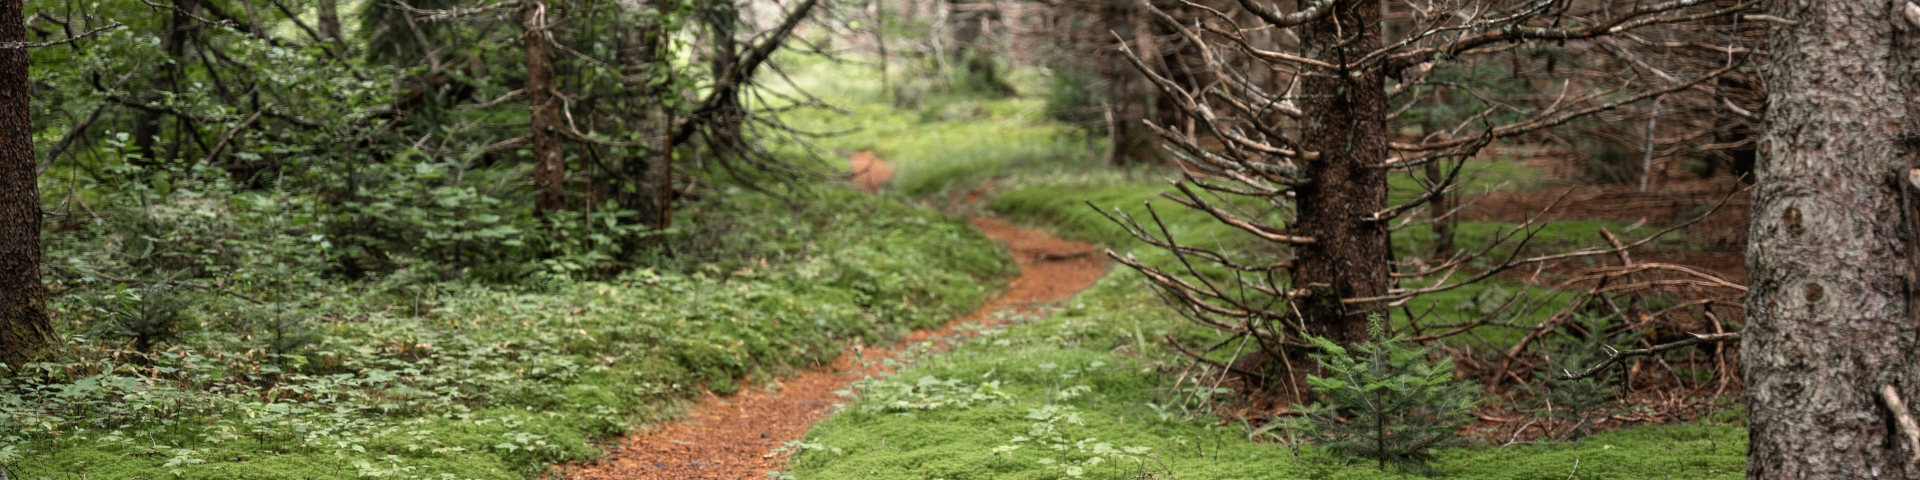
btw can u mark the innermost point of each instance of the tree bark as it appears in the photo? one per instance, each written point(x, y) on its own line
point(550, 165)
point(1345, 122)
point(1831, 318)
point(25, 329)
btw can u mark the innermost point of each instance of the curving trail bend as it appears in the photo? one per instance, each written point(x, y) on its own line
point(735, 437)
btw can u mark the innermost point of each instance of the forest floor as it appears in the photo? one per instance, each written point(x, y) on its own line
point(742, 436)
point(1088, 388)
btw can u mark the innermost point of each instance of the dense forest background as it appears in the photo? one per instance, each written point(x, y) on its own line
point(1465, 238)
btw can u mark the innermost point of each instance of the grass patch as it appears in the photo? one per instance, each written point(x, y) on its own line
point(949, 140)
point(1081, 393)
point(1476, 177)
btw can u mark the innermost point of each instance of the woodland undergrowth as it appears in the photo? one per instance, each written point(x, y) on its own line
point(266, 369)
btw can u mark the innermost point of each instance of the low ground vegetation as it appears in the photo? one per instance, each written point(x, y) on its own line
point(398, 379)
point(1087, 391)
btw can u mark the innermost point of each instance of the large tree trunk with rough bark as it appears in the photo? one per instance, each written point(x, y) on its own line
point(550, 164)
point(24, 327)
point(1830, 315)
point(1345, 121)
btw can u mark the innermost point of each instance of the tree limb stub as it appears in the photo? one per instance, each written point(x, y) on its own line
point(1900, 415)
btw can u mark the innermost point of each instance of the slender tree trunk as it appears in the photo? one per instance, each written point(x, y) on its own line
point(25, 329)
point(974, 21)
point(1438, 208)
point(146, 127)
point(1831, 318)
point(1346, 125)
point(722, 24)
point(968, 26)
point(722, 20)
point(550, 164)
point(655, 189)
point(880, 41)
point(642, 181)
point(1128, 90)
point(330, 21)
point(1646, 158)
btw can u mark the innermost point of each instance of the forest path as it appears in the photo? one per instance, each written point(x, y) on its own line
point(735, 437)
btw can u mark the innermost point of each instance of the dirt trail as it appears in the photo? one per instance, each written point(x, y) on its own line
point(869, 172)
point(734, 438)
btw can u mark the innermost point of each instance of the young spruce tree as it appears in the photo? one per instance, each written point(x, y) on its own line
point(1385, 401)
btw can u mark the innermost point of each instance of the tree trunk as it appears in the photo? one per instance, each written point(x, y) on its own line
point(650, 189)
point(146, 127)
point(970, 24)
point(1442, 204)
point(974, 20)
point(722, 20)
point(1131, 96)
point(330, 22)
point(550, 165)
point(1830, 313)
point(25, 330)
point(1345, 123)
point(1438, 208)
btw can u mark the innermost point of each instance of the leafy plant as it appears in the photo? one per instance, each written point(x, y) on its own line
point(928, 393)
point(1385, 401)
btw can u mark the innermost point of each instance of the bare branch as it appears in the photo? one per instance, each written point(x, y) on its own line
point(1616, 356)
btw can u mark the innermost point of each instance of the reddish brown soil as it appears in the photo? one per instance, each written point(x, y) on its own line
point(869, 172)
point(735, 437)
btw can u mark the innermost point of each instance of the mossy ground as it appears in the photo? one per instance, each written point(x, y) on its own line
point(1087, 382)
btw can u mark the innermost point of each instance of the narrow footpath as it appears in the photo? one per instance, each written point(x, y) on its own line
point(736, 437)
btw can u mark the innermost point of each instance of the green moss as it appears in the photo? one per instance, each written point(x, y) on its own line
point(1090, 374)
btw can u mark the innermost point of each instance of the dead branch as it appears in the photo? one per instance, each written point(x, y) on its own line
point(1903, 418)
point(1615, 356)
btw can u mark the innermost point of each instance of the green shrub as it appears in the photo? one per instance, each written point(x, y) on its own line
point(1073, 99)
point(1385, 401)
